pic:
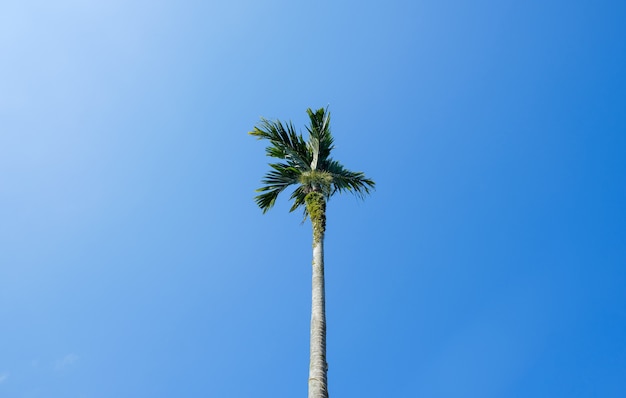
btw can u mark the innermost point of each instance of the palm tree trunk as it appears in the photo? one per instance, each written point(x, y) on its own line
point(318, 387)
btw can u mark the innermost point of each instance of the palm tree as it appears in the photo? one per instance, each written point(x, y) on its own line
point(316, 176)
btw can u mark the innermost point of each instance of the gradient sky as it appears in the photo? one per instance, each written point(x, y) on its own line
point(490, 262)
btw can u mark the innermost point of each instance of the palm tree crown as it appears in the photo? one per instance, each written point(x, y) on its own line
point(306, 164)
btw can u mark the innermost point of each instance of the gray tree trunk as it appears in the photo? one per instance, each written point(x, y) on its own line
point(318, 387)
point(318, 367)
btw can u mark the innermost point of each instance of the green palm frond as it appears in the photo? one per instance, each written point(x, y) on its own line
point(307, 164)
point(276, 181)
point(346, 180)
point(298, 196)
point(285, 143)
point(320, 138)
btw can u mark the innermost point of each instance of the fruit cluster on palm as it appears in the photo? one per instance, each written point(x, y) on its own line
point(307, 165)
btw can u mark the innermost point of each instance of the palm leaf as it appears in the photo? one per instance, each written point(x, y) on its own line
point(346, 180)
point(276, 181)
point(307, 164)
point(320, 139)
point(285, 143)
point(298, 196)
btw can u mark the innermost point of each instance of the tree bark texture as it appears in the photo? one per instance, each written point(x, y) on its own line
point(318, 368)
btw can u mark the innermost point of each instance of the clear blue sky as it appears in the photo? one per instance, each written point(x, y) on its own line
point(490, 262)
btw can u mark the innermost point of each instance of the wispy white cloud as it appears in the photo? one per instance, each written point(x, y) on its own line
point(3, 377)
point(66, 361)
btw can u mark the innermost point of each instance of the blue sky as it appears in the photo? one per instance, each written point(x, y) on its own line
point(490, 261)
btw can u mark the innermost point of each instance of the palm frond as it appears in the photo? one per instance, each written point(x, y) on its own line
point(320, 138)
point(306, 164)
point(285, 143)
point(346, 180)
point(298, 196)
point(276, 181)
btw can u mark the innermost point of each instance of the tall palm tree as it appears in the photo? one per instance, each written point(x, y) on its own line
point(307, 165)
